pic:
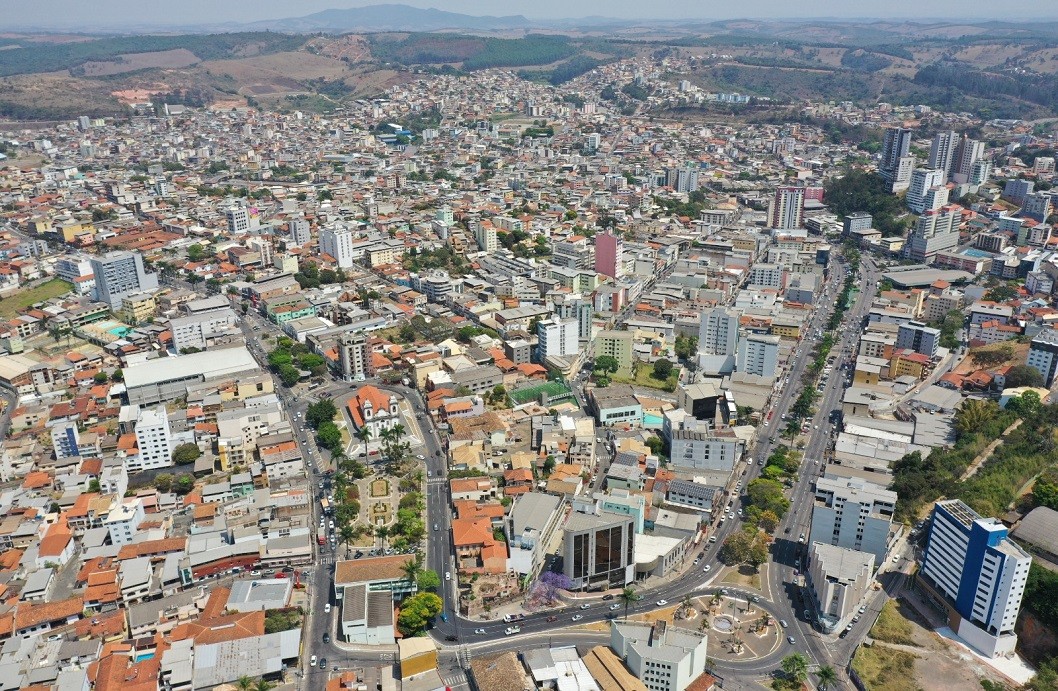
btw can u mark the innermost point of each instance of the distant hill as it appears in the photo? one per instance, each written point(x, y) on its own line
point(391, 18)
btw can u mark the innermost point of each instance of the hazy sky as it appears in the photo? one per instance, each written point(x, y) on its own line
point(92, 14)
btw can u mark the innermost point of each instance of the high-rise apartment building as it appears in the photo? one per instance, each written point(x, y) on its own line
point(942, 150)
point(978, 572)
point(575, 306)
point(896, 165)
point(854, 514)
point(718, 341)
point(298, 228)
point(787, 208)
point(557, 337)
point(935, 231)
point(485, 236)
point(1043, 355)
point(922, 181)
point(918, 337)
point(337, 241)
point(353, 356)
point(758, 354)
point(608, 250)
point(238, 217)
point(118, 274)
point(618, 345)
point(153, 440)
point(967, 153)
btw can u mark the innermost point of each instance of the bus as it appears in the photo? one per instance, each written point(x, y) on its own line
point(325, 506)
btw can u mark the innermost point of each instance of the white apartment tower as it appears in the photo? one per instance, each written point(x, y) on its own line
point(758, 354)
point(238, 218)
point(337, 241)
point(353, 356)
point(118, 274)
point(718, 341)
point(922, 181)
point(557, 338)
point(787, 208)
point(153, 439)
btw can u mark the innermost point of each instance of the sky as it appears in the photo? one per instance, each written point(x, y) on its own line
point(116, 14)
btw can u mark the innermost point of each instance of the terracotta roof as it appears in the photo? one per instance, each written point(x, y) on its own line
point(151, 548)
point(34, 614)
point(379, 401)
point(370, 569)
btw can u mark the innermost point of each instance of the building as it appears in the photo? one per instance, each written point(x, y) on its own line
point(353, 356)
point(298, 229)
point(118, 274)
point(599, 551)
point(375, 410)
point(615, 405)
point(787, 208)
point(664, 657)
point(718, 341)
point(701, 400)
point(576, 307)
point(918, 337)
point(238, 218)
point(857, 222)
point(202, 329)
point(762, 275)
point(609, 249)
point(485, 235)
point(1043, 355)
point(167, 379)
point(1036, 206)
point(65, 440)
point(531, 526)
point(942, 151)
point(922, 181)
point(123, 521)
point(968, 152)
point(337, 241)
point(694, 445)
point(854, 514)
point(838, 579)
point(758, 354)
point(557, 338)
point(896, 165)
point(618, 345)
point(366, 590)
point(153, 440)
point(935, 231)
point(978, 573)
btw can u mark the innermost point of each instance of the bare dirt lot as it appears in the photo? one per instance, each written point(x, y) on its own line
point(165, 59)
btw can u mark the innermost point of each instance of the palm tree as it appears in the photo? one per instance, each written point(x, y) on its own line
point(381, 532)
point(262, 685)
point(795, 666)
point(244, 683)
point(364, 434)
point(347, 533)
point(629, 596)
point(412, 568)
point(827, 676)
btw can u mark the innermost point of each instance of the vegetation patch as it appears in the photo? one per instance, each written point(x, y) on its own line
point(54, 288)
point(892, 627)
point(884, 669)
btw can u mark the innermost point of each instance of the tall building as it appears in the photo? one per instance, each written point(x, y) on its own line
point(934, 231)
point(557, 337)
point(857, 222)
point(758, 354)
point(966, 154)
point(618, 345)
point(918, 337)
point(575, 306)
point(838, 579)
point(978, 572)
point(485, 236)
point(337, 241)
point(608, 251)
point(1043, 355)
point(65, 440)
point(1036, 206)
point(662, 657)
point(298, 228)
point(118, 274)
point(922, 181)
point(353, 356)
point(854, 514)
point(718, 341)
point(123, 522)
point(787, 208)
point(942, 150)
point(153, 439)
point(238, 217)
point(599, 551)
point(896, 165)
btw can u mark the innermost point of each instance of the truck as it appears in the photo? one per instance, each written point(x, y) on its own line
point(321, 536)
point(508, 618)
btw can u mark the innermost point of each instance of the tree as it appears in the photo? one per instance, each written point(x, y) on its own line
point(795, 667)
point(736, 548)
point(826, 676)
point(758, 552)
point(607, 363)
point(117, 375)
point(184, 484)
point(100, 378)
point(195, 253)
point(416, 613)
point(656, 444)
point(412, 568)
point(1028, 404)
point(767, 495)
point(93, 486)
point(163, 482)
point(973, 414)
point(329, 436)
point(628, 597)
point(289, 375)
point(186, 453)
point(319, 412)
point(768, 521)
point(347, 533)
point(1045, 489)
point(662, 369)
point(428, 580)
point(549, 464)
point(1023, 375)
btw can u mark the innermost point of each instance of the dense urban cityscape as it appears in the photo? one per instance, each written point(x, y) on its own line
point(487, 383)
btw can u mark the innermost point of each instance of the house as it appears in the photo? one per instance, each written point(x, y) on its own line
point(477, 549)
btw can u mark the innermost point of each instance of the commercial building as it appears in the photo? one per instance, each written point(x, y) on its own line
point(203, 329)
point(609, 249)
point(838, 579)
point(530, 528)
point(337, 241)
point(979, 573)
point(758, 354)
point(918, 337)
point(663, 657)
point(694, 445)
point(1043, 355)
point(718, 341)
point(353, 356)
point(935, 231)
point(854, 514)
point(896, 165)
point(118, 274)
point(599, 551)
point(787, 208)
point(168, 378)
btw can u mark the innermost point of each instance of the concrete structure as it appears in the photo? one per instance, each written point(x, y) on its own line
point(123, 521)
point(167, 379)
point(1043, 355)
point(298, 229)
point(599, 551)
point(530, 528)
point(896, 165)
point(609, 249)
point(118, 274)
point(153, 439)
point(787, 208)
point(695, 445)
point(979, 572)
point(557, 338)
point(922, 181)
point(854, 514)
point(838, 579)
point(353, 358)
point(718, 341)
point(935, 231)
point(203, 329)
point(618, 345)
point(758, 354)
point(337, 241)
point(664, 657)
point(918, 337)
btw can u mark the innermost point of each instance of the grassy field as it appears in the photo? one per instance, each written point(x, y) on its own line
point(885, 669)
point(892, 627)
point(24, 298)
point(644, 376)
point(743, 576)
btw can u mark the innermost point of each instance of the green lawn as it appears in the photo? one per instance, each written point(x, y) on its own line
point(9, 306)
point(644, 376)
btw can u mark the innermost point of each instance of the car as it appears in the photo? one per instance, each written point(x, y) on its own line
point(585, 606)
point(790, 640)
point(696, 561)
point(479, 632)
point(577, 617)
point(326, 638)
point(448, 575)
point(420, 457)
point(705, 569)
point(782, 623)
point(323, 663)
point(327, 608)
point(712, 538)
point(608, 596)
point(255, 572)
point(856, 618)
point(848, 628)
point(312, 661)
point(896, 559)
point(614, 606)
point(510, 630)
point(801, 539)
point(436, 527)
point(429, 473)
point(662, 603)
point(450, 638)
point(863, 610)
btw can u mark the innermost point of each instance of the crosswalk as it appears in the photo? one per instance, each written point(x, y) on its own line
point(455, 680)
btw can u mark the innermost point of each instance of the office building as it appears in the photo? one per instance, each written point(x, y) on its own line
point(337, 241)
point(353, 356)
point(599, 551)
point(718, 341)
point(978, 573)
point(787, 208)
point(701, 399)
point(557, 338)
point(203, 329)
point(1043, 355)
point(934, 232)
point(1016, 190)
point(922, 182)
point(238, 218)
point(609, 249)
point(896, 165)
point(967, 153)
point(839, 579)
point(530, 528)
point(854, 514)
point(1036, 206)
point(664, 657)
point(942, 150)
point(758, 354)
point(298, 229)
point(857, 222)
point(918, 337)
point(118, 274)
point(153, 440)
point(618, 345)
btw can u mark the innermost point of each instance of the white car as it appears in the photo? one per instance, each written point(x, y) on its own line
point(480, 632)
point(312, 661)
point(421, 457)
point(327, 608)
point(511, 630)
point(613, 607)
point(577, 617)
point(705, 569)
point(662, 603)
point(448, 575)
point(585, 606)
